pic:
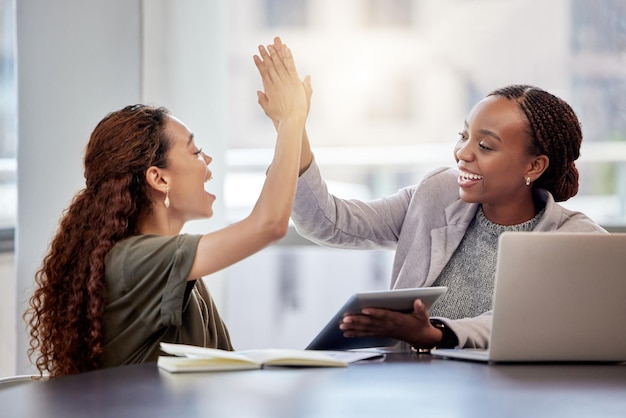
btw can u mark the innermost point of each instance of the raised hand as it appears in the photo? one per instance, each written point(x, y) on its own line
point(285, 94)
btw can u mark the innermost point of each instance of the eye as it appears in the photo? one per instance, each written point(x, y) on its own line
point(199, 153)
point(462, 136)
point(484, 147)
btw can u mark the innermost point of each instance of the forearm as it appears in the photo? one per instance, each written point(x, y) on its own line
point(276, 199)
point(306, 155)
point(345, 223)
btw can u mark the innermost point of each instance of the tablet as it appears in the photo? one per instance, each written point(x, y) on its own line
point(401, 300)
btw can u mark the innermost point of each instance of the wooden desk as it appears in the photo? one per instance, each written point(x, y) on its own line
point(403, 386)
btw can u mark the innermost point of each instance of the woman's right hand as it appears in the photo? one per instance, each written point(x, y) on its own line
point(284, 95)
point(414, 328)
point(284, 100)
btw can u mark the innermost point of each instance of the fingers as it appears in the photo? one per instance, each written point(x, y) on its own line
point(367, 319)
point(420, 310)
point(263, 101)
point(284, 93)
point(307, 87)
point(286, 66)
point(262, 70)
point(266, 66)
point(275, 62)
point(361, 326)
point(308, 90)
point(382, 322)
point(278, 43)
point(282, 60)
point(283, 53)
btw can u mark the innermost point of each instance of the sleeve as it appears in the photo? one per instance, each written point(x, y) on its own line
point(470, 332)
point(328, 220)
point(152, 279)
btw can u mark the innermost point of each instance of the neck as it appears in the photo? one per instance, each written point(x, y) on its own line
point(160, 222)
point(510, 215)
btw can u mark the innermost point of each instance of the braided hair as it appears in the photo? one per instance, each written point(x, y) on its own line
point(555, 132)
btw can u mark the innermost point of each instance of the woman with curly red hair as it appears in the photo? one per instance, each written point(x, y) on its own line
point(119, 277)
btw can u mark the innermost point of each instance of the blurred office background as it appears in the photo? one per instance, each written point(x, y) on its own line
point(393, 81)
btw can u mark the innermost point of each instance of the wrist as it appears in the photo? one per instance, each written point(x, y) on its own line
point(294, 117)
point(439, 336)
point(448, 337)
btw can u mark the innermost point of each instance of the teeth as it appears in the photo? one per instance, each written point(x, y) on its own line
point(469, 176)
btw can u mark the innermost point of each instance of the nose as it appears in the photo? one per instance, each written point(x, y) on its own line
point(207, 159)
point(462, 151)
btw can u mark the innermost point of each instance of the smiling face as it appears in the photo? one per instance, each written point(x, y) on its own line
point(494, 161)
point(186, 173)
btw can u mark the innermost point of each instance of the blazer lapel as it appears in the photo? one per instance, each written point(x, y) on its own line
point(445, 240)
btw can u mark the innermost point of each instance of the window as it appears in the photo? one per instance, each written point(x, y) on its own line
point(598, 85)
point(396, 98)
point(285, 13)
point(8, 123)
point(388, 13)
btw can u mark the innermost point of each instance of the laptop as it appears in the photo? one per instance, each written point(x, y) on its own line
point(558, 297)
point(401, 300)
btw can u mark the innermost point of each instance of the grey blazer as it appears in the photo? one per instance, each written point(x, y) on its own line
point(423, 223)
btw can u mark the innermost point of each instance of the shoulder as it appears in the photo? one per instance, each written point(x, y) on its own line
point(439, 184)
point(574, 221)
point(445, 175)
point(148, 242)
point(147, 249)
point(559, 218)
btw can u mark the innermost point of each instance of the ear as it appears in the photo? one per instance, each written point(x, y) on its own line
point(157, 179)
point(537, 166)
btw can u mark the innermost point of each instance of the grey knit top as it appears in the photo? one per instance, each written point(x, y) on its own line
point(470, 273)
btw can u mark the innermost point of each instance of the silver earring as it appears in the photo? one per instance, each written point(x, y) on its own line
point(527, 181)
point(167, 198)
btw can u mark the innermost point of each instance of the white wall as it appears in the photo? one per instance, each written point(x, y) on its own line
point(77, 61)
point(7, 314)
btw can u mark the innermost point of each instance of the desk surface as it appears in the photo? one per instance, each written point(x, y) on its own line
point(405, 385)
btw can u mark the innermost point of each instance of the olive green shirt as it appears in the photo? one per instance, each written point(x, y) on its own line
point(150, 300)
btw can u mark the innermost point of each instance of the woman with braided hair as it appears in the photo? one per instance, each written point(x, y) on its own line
point(514, 160)
point(119, 277)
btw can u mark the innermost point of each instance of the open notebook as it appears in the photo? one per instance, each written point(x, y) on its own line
point(558, 297)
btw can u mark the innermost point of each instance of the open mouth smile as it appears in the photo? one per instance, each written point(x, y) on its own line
point(467, 178)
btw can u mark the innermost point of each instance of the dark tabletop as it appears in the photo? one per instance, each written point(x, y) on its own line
point(405, 385)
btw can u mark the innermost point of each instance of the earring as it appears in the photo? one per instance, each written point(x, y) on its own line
point(527, 181)
point(167, 198)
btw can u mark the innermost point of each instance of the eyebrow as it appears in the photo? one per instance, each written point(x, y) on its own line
point(190, 139)
point(485, 132)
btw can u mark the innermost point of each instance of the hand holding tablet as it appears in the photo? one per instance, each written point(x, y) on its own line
point(401, 300)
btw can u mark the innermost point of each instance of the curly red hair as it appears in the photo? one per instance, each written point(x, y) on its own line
point(65, 314)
